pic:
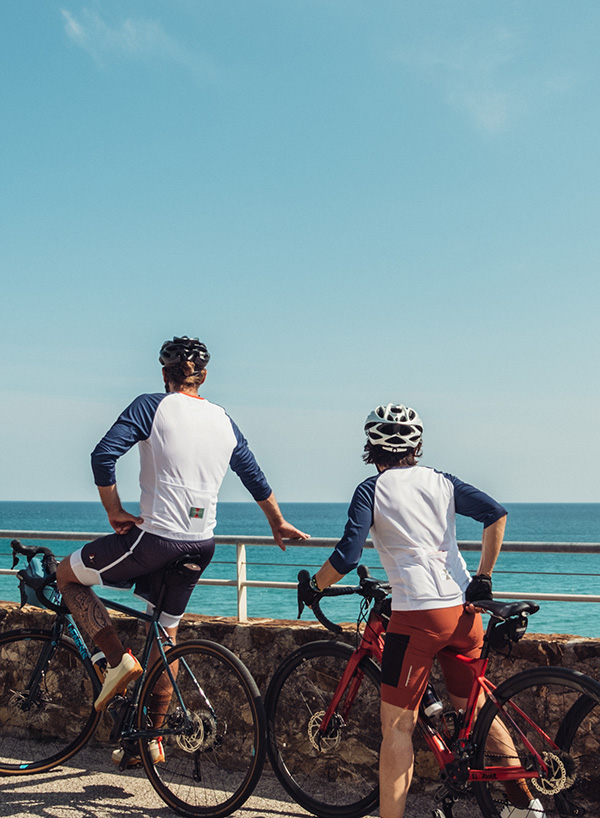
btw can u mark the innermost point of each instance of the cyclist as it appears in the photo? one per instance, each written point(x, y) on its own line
point(410, 511)
point(186, 444)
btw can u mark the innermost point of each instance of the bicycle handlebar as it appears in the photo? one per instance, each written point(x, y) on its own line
point(28, 551)
point(51, 564)
point(369, 588)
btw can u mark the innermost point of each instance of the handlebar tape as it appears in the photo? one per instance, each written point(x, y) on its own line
point(30, 551)
point(303, 577)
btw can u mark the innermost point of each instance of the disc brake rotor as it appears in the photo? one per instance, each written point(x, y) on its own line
point(555, 779)
point(322, 742)
point(202, 734)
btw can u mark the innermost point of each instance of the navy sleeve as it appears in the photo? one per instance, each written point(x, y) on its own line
point(474, 503)
point(347, 553)
point(132, 425)
point(247, 469)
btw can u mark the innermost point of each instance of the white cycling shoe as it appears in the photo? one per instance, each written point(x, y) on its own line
point(533, 810)
point(117, 678)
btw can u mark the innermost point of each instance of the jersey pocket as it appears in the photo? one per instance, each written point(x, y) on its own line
point(445, 583)
point(417, 582)
point(183, 509)
point(199, 510)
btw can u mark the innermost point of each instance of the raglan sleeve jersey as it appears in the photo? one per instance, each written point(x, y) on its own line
point(186, 444)
point(410, 514)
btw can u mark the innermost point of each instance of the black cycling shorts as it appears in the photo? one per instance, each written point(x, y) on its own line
point(139, 558)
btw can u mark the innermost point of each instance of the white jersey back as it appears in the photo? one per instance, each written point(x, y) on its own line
point(414, 532)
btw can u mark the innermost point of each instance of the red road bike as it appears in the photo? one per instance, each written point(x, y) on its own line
point(324, 733)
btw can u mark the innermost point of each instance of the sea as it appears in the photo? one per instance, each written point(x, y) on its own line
point(566, 573)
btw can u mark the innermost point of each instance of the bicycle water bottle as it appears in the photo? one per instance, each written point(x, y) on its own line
point(100, 664)
point(430, 703)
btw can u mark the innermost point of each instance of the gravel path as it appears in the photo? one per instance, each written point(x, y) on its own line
point(89, 786)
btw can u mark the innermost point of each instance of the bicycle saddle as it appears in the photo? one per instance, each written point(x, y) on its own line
point(504, 610)
point(186, 560)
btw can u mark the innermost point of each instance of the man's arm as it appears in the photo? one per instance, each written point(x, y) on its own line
point(279, 526)
point(119, 519)
point(132, 425)
point(247, 469)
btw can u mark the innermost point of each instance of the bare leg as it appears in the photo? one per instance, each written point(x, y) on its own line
point(396, 759)
point(89, 613)
point(163, 689)
point(501, 744)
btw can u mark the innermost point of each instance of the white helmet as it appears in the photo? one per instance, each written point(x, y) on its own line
point(396, 428)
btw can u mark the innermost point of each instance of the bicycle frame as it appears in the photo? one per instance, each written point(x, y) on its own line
point(156, 635)
point(452, 753)
point(371, 645)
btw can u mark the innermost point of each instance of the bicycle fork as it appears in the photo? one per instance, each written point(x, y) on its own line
point(348, 686)
point(31, 696)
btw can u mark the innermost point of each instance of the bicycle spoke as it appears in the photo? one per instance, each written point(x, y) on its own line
point(550, 726)
point(331, 772)
point(46, 709)
point(214, 746)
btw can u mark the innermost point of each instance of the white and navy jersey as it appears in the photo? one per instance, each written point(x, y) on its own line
point(186, 444)
point(410, 514)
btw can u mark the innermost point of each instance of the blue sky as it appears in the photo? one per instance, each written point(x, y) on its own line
point(352, 203)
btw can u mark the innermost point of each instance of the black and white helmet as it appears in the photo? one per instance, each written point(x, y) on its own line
point(395, 427)
point(175, 352)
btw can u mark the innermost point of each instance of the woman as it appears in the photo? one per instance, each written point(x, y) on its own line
point(409, 510)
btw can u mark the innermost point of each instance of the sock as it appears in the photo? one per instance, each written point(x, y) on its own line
point(110, 644)
point(518, 793)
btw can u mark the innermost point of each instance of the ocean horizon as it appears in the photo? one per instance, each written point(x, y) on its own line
point(515, 572)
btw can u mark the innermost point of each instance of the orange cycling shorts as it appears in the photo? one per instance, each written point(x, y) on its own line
point(414, 638)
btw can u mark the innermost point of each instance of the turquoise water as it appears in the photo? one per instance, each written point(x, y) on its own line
point(526, 573)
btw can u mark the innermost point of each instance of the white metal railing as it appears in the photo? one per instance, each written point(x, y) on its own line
point(242, 583)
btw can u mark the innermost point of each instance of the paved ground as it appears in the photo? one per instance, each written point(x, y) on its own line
point(91, 787)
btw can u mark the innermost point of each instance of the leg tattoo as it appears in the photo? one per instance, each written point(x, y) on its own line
point(87, 610)
point(91, 615)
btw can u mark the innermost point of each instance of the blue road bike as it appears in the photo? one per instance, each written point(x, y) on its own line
point(214, 732)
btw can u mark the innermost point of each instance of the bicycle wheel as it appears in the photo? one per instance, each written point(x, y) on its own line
point(46, 702)
point(558, 711)
point(214, 752)
point(337, 775)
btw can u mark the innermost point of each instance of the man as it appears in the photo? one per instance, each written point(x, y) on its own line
point(186, 444)
point(409, 511)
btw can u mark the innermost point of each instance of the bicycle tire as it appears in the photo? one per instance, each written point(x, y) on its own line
point(565, 704)
point(60, 719)
point(214, 768)
point(340, 778)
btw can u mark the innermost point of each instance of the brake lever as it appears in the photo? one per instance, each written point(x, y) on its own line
point(302, 577)
point(300, 607)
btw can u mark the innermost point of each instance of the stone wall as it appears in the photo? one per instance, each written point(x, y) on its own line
point(263, 643)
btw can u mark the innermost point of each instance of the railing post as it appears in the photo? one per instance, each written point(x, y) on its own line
point(242, 591)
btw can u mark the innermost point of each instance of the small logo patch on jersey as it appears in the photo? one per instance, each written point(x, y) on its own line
point(196, 512)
